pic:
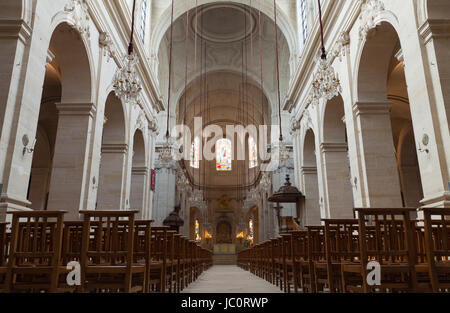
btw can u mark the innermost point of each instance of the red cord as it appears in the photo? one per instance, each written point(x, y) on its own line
point(170, 73)
point(278, 69)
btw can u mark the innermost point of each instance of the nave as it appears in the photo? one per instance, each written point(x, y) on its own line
point(230, 279)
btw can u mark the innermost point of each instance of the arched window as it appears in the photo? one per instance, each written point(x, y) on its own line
point(195, 153)
point(197, 231)
point(252, 153)
point(303, 19)
point(144, 15)
point(223, 155)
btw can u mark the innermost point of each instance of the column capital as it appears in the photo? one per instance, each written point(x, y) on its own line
point(15, 29)
point(308, 170)
point(372, 108)
point(115, 148)
point(435, 28)
point(333, 147)
point(76, 109)
point(140, 170)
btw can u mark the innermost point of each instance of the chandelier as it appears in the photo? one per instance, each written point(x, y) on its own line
point(127, 85)
point(166, 153)
point(325, 84)
point(197, 198)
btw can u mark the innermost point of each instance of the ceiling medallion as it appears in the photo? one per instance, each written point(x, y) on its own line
point(213, 23)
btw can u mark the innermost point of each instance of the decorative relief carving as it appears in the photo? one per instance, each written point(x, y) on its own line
point(80, 15)
point(340, 47)
point(369, 11)
point(141, 121)
point(106, 43)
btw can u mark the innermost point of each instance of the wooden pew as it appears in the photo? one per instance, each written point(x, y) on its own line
point(34, 261)
point(341, 247)
point(109, 266)
point(390, 243)
point(158, 259)
point(4, 248)
point(437, 246)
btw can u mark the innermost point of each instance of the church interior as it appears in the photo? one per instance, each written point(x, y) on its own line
point(239, 146)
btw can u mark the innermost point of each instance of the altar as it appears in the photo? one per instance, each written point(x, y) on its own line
point(224, 248)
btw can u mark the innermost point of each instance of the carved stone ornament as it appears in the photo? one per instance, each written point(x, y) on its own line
point(79, 11)
point(340, 47)
point(106, 43)
point(369, 11)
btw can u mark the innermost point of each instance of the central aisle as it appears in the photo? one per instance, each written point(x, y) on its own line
point(230, 279)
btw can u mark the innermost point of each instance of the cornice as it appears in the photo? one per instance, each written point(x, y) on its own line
point(15, 29)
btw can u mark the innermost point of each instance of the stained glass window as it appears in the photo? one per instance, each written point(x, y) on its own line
point(223, 155)
point(197, 231)
point(252, 153)
point(195, 153)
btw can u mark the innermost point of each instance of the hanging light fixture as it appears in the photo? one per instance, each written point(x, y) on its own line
point(326, 84)
point(283, 152)
point(127, 85)
point(166, 154)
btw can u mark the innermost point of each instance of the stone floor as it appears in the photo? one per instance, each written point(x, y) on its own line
point(230, 279)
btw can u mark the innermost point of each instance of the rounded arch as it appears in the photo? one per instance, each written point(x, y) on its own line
point(139, 153)
point(114, 130)
point(74, 58)
point(374, 60)
point(309, 149)
point(333, 126)
point(266, 8)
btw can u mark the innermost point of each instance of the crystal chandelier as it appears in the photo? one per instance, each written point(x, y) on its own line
point(127, 85)
point(325, 84)
point(197, 198)
point(251, 199)
point(166, 153)
point(284, 153)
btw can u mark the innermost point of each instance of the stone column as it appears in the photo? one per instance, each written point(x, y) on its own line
point(70, 161)
point(382, 186)
point(430, 109)
point(311, 214)
point(164, 196)
point(22, 71)
point(139, 176)
point(112, 177)
point(338, 190)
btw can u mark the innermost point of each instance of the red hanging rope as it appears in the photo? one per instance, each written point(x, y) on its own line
point(324, 54)
point(186, 61)
point(130, 46)
point(170, 72)
point(261, 64)
point(278, 68)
